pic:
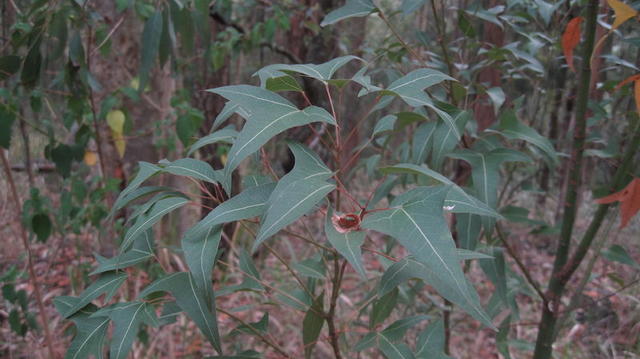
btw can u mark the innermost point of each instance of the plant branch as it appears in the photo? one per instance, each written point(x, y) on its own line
point(262, 337)
point(92, 103)
point(523, 268)
point(334, 336)
point(440, 27)
point(399, 38)
point(588, 237)
point(577, 293)
point(25, 241)
point(546, 337)
point(293, 273)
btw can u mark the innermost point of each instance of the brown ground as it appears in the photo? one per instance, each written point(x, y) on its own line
point(611, 328)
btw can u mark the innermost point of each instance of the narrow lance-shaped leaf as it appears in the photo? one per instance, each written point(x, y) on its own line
point(225, 135)
point(200, 242)
point(150, 45)
point(189, 167)
point(127, 317)
point(90, 332)
point(397, 329)
point(466, 254)
point(146, 221)
point(124, 200)
point(267, 114)
point(368, 341)
point(347, 244)
point(227, 111)
point(282, 83)
point(410, 268)
point(200, 254)
point(497, 96)
point(410, 88)
point(170, 310)
point(147, 205)
point(261, 326)
point(512, 128)
point(468, 228)
point(312, 325)
point(421, 144)
point(296, 193)
point(384, 125)
point(191, 299)
point(352, 8)
point(365, 81)
point(146, 171)
point(394, 350)
point(107, 284)
point(141, 251)
point(502, 339)
point(494, 268)
point(617, 253)
point(446, 137)
point(312, 267)
point(322, 72)
point(247, 266)
point(458, 198)
point(252, 202)
point(485, 170)
point(415, 219)
point(431, 341)
point(382, 307)
point(415, 82)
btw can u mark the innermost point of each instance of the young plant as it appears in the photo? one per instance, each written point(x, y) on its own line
point(403, 199)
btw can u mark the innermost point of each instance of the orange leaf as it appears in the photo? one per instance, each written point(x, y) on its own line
point(623, 12)
point(636, 79)
point(630, 199)
point(628, 80)
point(571, 39)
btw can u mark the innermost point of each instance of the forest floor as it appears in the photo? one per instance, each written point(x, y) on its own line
point(606, 324)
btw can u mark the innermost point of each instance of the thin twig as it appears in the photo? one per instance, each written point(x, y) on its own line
point(330, 315)
point(115, 27)
point(25, 241)
point(520, 264)
point(262, 337)
point(286, 264)
point(399, 38)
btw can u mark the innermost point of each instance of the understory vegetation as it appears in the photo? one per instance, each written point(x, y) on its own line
point(320, 179)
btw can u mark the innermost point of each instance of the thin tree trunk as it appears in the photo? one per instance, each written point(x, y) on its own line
point(554, 293)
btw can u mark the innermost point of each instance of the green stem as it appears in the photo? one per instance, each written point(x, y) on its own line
point(293, 273)
point(588, 237)
point(399, 38)
point(330, 316)
point(441, 28)
point(255, 331)
point(519, 262)
point(577, 293)
point(549, 316)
